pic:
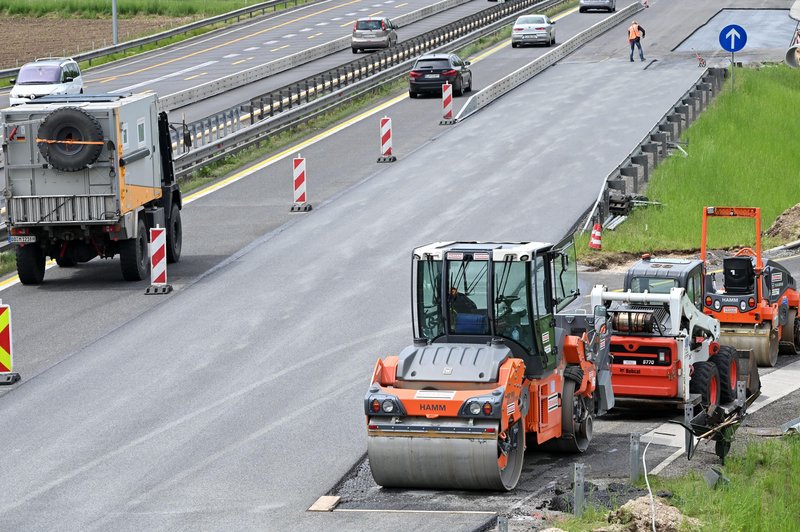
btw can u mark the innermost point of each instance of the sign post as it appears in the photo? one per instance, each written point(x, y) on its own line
point(732, 38)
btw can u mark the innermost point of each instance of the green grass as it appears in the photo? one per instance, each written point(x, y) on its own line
point(125, 8)
point(740, 153)
point(8, 262)
point(763, 494)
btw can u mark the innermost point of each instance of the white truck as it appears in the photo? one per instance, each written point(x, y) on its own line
point(87, 176)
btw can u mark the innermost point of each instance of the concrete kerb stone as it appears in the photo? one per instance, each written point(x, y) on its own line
point(676, 119)
point(632, 173)
point(643, 161)
point(661, 139)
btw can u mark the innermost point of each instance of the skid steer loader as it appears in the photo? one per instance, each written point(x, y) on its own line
point(494, 360)
point(757, 304)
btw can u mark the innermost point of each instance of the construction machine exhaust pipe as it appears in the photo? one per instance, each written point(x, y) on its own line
point(793, 56)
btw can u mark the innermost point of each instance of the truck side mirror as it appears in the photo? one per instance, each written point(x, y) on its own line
point(187, 138)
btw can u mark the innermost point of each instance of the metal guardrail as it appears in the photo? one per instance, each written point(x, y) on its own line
point(218, 86)
point(633, 174)
point(523, 74)
point(154, 39)
point(282, 106)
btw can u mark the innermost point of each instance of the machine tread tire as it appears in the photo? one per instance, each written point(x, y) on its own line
point(133, 256)
point(30, 264)
point(174, 235)
point(705, 381)
point(723, 361)
point(66, 262)
point(70, 123)
point(574, 373)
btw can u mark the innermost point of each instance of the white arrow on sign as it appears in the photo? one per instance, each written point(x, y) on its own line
point(734, 36)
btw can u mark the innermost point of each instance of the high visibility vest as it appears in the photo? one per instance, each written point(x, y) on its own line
point(633, 32)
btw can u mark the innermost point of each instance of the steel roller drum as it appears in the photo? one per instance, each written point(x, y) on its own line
point(442, 454)
point(762, 340)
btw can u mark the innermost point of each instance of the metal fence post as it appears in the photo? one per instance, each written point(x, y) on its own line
point(635, 473)
point(577, 508)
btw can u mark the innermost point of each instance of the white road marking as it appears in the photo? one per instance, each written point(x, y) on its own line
point(289, 36)
point(252, 49)
point(322, 24)
point(166, 76)
point(270, 42)
point(337, 18)
point(305, 30)
point(229, 56)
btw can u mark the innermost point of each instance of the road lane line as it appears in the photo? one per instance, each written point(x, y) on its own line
point(166, 76)
point(314, 36)
point(195, 76)
point(279, 48)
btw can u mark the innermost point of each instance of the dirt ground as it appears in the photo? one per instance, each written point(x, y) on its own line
point(26, 39)
point(787, 226)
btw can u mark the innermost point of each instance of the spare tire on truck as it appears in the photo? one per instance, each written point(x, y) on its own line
point(70, 139)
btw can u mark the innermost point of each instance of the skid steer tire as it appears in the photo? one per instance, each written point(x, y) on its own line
point(705, 381)
point(70, 124)
point(726, 362)
point(133, 256)
point(574, 373)
point(30, 264)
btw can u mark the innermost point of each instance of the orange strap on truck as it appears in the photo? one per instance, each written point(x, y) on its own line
point(48, 141)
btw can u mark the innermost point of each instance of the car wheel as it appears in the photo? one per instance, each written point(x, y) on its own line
point(458, 87)
point(469, 87)
point(412, 94)
point(355, 50)
point(514, 45)
point(581, 10)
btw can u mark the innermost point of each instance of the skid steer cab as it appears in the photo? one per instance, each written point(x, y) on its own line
point(757, 302)
point(87, 176)
point(495, 359)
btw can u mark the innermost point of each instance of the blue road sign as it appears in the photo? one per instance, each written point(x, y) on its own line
point(732, 38)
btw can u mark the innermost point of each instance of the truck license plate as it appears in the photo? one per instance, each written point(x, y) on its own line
point(21, 239)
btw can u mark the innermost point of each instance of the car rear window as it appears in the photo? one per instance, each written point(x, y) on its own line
point(531, 20)
point(368, 25)
point(432, 64)
point(33, 74)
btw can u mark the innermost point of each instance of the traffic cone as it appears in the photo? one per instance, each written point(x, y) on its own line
point(595, 242)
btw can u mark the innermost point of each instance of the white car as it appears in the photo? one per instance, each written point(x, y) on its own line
point(533, 29)
point(44, 77)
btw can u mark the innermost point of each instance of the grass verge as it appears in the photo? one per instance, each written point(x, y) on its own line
point(125, 8)
point(739, 154)
point(762, 495)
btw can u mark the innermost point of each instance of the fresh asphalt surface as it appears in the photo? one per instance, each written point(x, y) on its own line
point(236, 401)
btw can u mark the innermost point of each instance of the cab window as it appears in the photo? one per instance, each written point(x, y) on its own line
point(512, 312)
point(429, 283)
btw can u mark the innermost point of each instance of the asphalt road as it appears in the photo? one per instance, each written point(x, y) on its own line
point(196, 61)
point(236, 401)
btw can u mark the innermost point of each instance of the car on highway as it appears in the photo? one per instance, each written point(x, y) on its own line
point(373, 32)
point(608, 5)
point(533, 29)
point(431, 71)
point(43, 77)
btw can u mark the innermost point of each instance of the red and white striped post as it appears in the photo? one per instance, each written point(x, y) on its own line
point(447, 105)
point(158, 262)
point(299, 180)
point(386, 141)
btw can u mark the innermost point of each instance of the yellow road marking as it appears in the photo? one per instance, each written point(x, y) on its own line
point(347, 24)
point(195, 76)
point(238, 39)
point(315, 35)
point(375, 13)
point(279, 48)
point(242, 60)
point(401, 5)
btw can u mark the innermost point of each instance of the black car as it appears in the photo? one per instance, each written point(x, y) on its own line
point(431, 71)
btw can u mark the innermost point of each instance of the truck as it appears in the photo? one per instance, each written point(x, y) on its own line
point(88, 176)
point(497, 365)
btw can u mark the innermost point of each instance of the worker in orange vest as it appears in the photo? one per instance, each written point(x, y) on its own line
point(635, 34)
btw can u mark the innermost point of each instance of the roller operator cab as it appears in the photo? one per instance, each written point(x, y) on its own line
point(88, 176)
point(494, 359)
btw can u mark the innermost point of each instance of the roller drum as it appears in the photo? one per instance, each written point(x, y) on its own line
point(793, 56)
point(763, 341)
point(443, 457)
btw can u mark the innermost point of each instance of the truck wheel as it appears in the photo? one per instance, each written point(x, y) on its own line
point(727, 367)
point(174, 235)
point(70, 124)
point(133, 257)
point(30, 264)
point(705, 381)
point(65, 262)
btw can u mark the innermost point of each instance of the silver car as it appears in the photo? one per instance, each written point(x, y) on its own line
point(373, 32)
point(608, 5)
point(533, 29)
point(43, 77)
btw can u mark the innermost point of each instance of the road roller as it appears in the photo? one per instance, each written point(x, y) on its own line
point(497, 365)
point(758, 300)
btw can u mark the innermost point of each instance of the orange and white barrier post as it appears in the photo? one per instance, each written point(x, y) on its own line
point(158, 262)
point(447, 105)
point(386, 141)
point(299, 179)
point(7, 375)
point(596, 240)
